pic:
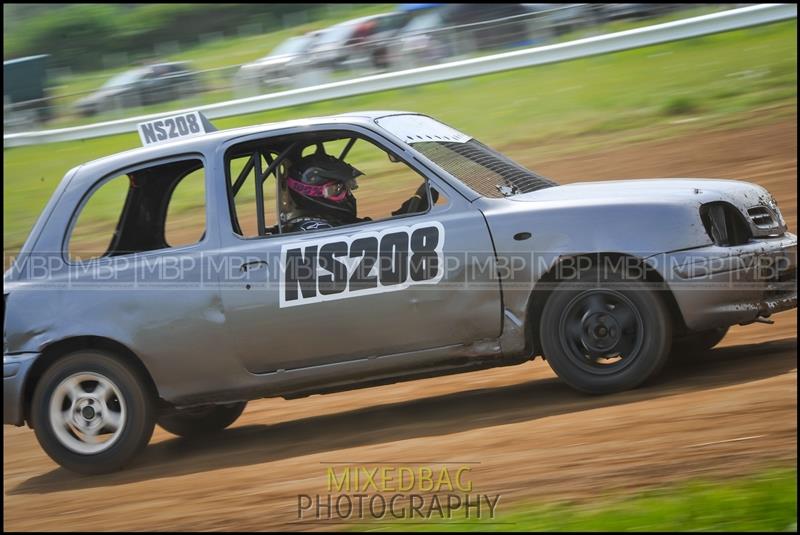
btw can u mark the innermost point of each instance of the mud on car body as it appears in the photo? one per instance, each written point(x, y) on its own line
point(203, 295)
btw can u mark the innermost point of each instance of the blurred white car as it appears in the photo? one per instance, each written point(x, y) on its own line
point(355, 43)
point(278, 68)
point(142, 86)
point(458, 30)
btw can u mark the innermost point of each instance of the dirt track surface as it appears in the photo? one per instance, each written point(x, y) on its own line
point(724, 412)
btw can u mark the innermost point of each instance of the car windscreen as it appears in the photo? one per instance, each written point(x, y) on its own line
point(293, 45)
point(423, 22)
point(391, 22)
point(337, 34)
point(125, 78)
point(483, 169)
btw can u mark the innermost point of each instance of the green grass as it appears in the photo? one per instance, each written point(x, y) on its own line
point(764, 502)
point(529, 113)
point(680, 106)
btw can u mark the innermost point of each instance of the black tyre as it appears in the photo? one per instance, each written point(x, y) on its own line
point(604, 334)
point(92, 412)
point(697, 342)
point(201, 420)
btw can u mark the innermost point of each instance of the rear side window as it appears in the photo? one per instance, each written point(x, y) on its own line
point(186, 211)
point(98, 220)
point(147, 209)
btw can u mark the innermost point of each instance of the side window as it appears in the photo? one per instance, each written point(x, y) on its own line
point(147, 209)
point(322, 180)
point(388, 185)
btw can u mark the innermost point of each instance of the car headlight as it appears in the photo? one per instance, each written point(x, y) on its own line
point(773, 204)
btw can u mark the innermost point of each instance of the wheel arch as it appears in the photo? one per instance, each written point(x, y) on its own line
point(60, 348)
point(543, 289)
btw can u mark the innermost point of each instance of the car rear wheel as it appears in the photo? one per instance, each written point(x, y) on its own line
point(201, 420)
point(92, 413)
point(607, 335)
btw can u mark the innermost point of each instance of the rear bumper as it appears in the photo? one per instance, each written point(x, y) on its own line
point(15, 372)
point(720, 286)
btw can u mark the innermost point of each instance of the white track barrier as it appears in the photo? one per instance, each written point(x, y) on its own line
point(601, 44)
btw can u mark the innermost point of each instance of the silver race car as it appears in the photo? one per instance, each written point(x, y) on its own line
point(328, 254)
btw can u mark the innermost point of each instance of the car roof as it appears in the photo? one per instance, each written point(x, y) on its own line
point(90, 170)
point(354, 23)
point(359, 20)
point(185, 65)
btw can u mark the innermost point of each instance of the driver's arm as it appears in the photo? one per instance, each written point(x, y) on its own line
point(417, 202)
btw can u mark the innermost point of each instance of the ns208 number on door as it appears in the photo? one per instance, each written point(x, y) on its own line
point(366, 263)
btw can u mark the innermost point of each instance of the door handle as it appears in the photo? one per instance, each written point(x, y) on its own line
point(255, 264)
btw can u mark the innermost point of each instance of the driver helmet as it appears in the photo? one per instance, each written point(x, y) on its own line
point(322, 184)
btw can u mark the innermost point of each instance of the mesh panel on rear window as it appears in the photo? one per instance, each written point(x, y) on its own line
point(487, 172)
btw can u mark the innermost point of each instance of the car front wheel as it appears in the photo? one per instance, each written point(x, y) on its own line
point(607, 335)
point(92, 412)
point(201, 420)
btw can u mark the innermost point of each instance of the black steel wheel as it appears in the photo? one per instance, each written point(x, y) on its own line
point(603, 331)
point(607, 336)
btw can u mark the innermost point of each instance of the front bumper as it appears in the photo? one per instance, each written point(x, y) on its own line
point(720, 286)
point(15, 372)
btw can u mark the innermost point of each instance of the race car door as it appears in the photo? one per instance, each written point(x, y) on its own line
point(417, 275)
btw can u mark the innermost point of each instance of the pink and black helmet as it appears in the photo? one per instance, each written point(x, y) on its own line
point(323, 184)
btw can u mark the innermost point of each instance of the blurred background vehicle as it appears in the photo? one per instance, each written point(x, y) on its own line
point(279, 67)
point(457, 30)
point(374, 38)
point(149, 84)
point(374, 46)
point(346, 45)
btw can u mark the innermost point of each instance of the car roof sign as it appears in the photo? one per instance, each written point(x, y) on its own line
point(174, 127)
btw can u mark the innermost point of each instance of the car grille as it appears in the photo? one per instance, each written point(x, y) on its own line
point(762, 217)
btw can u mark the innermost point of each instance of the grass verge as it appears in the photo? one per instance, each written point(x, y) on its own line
point(766, 501)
